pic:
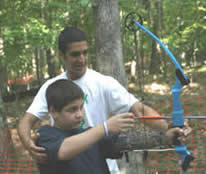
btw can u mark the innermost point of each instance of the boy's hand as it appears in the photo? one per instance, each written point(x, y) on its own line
point(120, 123)
point(187, 129)
point(179, 133)
point(177, 136)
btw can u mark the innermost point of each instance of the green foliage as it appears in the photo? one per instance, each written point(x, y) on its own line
point(38, 34)
point(27, 25)
point(180, 25)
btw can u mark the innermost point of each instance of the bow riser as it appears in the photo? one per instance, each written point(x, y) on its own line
point(177, 116)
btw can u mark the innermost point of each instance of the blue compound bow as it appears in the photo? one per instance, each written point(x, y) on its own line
point(181, 80)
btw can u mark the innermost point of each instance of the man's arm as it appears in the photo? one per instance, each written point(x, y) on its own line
point(24, 131)
point(139, 109)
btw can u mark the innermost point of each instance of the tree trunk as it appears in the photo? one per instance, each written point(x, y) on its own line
point(36, 58)
point(3, 78)
point(155, 57)
point(51, 63)
point(42, 63)
point(5, 143)
point(110, 60)
point(108, 40)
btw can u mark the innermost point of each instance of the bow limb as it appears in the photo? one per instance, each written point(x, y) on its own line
point(179, 72)
point(178, 117)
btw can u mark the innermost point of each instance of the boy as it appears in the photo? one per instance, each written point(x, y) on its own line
point(72, 150)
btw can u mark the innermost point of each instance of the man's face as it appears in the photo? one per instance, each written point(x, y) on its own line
point(76, 59)
point(70, 117)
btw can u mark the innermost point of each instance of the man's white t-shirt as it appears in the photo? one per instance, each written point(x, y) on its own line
point(104, 97)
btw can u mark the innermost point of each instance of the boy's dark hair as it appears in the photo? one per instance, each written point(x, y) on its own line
point(69, 35)
point(61, 93)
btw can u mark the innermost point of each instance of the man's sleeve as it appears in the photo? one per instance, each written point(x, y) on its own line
point(39, 104)
point(118, 98)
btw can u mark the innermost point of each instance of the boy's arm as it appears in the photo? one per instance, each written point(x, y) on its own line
point(67, 148)
point(76, 144)
point(24, 131)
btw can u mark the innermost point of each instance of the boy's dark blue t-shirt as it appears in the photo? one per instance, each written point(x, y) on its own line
point(91, 161)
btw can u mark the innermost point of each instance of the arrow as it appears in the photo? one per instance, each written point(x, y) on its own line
point(165, 117)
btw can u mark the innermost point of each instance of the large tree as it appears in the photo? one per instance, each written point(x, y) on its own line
point(108, 40)
point(5, 143)
point(4, 132)
point(110, 59)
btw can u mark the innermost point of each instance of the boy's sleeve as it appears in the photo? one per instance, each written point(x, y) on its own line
point(51, 140)
point(107, 147)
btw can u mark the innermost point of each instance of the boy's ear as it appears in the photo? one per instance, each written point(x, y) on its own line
point(52, 111)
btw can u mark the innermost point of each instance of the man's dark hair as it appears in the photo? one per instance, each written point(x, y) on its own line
point(69, 35)
point(61, 93)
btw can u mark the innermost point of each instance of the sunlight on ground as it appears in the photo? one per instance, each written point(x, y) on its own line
point(194, 85)
point(153, 88)
point(163, 89)
point(157, 88)
point(202, 69)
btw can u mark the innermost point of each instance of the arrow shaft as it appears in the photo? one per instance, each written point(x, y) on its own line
point(166, 117)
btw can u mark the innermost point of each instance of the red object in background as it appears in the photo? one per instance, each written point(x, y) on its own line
point(21, 81)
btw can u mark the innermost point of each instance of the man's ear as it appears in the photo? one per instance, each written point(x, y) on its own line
point(61, 56)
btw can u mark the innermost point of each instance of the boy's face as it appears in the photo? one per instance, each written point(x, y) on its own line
point(76, 59)
point(70, 117)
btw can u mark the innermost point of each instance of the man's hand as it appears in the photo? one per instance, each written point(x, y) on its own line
point(36, 152)
point(29, 141)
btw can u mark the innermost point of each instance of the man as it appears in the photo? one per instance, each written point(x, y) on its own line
point(104, 96)
point(73, 150)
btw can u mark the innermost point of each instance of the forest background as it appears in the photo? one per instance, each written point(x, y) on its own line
point(29, 53)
